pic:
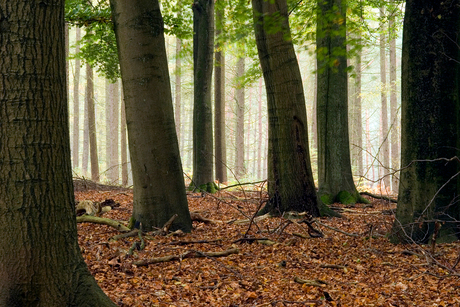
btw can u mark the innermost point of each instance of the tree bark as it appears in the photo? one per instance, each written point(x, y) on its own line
point(177, 91)
point(112, 115)
point(219, 103)
point(159, 189)
point(290, 180)
point(335, 179)
point(40, 261)
point(394, 128)
point(123, 144)
point(203, 50)
point(76, 105)
point(384, 166)
point(239, 99)
point(92, 124)
point(430, 121)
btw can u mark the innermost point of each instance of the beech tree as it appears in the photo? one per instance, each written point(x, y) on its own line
point(335, 179)
point(40, 260)
point(159, 188)
point(428, 206)
point(290, 180)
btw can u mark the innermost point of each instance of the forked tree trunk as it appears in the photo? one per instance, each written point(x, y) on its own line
point(40, 261)
point(159, 189)
point(430, 121)
point(290, 179)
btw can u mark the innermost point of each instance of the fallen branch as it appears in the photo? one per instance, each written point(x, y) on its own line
point(195, 216)
point(392, 200)
point(194, 242)
point(188, 254)
point(332, 266)
point(256, 219)
point(102, 220)
point(131, 233)
point(314, 282)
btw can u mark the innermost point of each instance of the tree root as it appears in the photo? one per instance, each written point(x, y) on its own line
point(188, 254)
point(102, 220)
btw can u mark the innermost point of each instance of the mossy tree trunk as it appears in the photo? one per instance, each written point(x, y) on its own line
point(159, 188)
point(203, 51)
point(335, 179)
point(428, 190)
point(40, 261)
point(290, 180)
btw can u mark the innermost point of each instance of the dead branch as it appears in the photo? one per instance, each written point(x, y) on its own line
point(188, 254)
point(256, 219)
point(313, 282)
point(332, 266)
point(392, 200)
point(194, 242)
point(104, 221)
point(131, 233)
point(248, 240)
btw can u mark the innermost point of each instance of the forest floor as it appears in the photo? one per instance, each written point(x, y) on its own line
point(353, 264)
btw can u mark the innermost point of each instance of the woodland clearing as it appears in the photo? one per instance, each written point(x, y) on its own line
point(271, 262)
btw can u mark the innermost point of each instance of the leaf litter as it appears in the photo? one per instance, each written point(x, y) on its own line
point(279, 265)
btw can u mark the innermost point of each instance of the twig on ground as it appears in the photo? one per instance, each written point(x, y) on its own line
point(338, 230)
point(102, 220)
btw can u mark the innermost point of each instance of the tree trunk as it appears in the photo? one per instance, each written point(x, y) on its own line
point(384, 132)
point(40, 261)
point(203, 49)
point(76, 105)
point(112, 116)
point(394, 128)
point(239, 99)
point(85, 153)
point(219, 103)
point(335, 178)
point(92, 124)
point(159, 189)
point(123, 144)
point(430, 104)
point(260, 133)
point(290, 180)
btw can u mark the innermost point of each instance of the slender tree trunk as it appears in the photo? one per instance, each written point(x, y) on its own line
point(92, 124)
point(430, 122)
point(240, 108)
point(76, 105)
point(112, 115)
point(40, 261)
point(177, 92)
point(335, 178)
point(123, 144)
point(85, 154)
point(384, 136)
point(394, 118)
point(159, 189)
point(290, 180)
point(203, 50)
point(260, 133)
point(219, 103)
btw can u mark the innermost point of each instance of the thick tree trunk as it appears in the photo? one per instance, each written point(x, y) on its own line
point(159, 189)
point(40, 261)
point(203, 50)
point(335, 178)
point(290, 180)
point(430, 104)
point(219, 104)
point(76, 105)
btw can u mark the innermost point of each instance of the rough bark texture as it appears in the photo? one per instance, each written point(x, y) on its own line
point(334, 165)
point(203, 50)
point(40, 261)
point(219, 104)
point(159, 189)
point(428, 191)
point(290, 179)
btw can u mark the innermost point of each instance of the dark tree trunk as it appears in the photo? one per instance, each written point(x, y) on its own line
point(335, 179)
point(428, 190)
point(290, 180)
point(203, 50)
point(40, 261)
point(159, 189)
point(219, 103)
